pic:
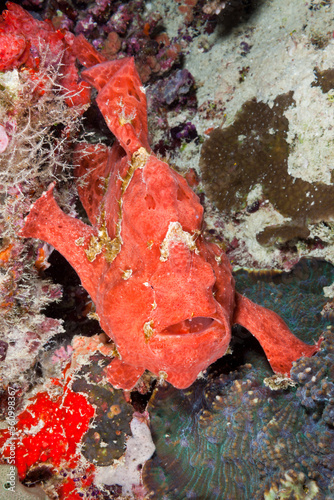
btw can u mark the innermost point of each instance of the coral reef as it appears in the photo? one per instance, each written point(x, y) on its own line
point(67, 435)
point(252, 154)
point(139, 448)
point(122, 29)
point(232, 437)
point(40, 106)
point(316, 391)
point(22, 340)
point(259, 64)
point(105, 441)
point(39, 126)
point(239, 431)
point(47, 434)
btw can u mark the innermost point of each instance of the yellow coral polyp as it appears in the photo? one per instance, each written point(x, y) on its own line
point(123, 116)
point(148, 330)
point(103, 242)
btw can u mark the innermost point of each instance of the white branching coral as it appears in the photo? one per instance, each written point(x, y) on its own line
point(38, 131)
point(32, 111)
point(39, 126)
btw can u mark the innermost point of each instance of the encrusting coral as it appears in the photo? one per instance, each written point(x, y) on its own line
point(78, 435)
point(47, 433)
point(253, 153)
point(104, 442)
point(316, 380)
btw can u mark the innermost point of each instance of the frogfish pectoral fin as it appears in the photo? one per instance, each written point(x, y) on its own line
point(49, 223)
point(123, 376)
point(279, 344)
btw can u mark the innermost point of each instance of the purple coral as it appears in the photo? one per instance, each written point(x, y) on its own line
point(184, 132)
point(86, 26)
point(178, 85)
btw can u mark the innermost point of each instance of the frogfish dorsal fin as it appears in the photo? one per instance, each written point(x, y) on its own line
point(122, 101)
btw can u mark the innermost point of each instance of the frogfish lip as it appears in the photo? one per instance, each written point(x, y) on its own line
point(190, 345)
point(197, 324)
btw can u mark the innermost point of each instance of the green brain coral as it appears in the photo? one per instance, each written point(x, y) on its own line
point(232, 438)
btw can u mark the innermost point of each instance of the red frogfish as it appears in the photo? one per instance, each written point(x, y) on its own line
point(164, 294)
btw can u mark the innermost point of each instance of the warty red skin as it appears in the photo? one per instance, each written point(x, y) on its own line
point(167, 296)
